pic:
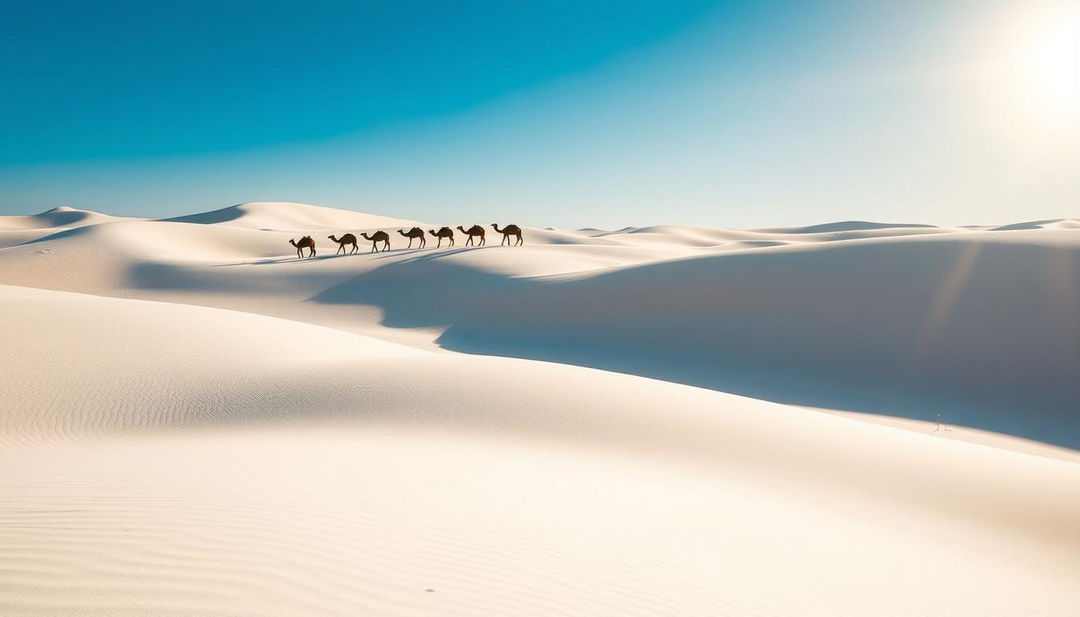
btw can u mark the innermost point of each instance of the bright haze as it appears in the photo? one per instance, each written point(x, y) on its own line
point(565, 113)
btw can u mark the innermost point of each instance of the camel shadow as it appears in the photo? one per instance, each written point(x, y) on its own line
point(267, 261)
point(436, 254)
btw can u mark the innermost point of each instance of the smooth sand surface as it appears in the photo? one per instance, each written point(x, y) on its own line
point(196, 423)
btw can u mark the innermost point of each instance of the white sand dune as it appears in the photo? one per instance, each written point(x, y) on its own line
point(851, 226)
point(61, 216)
point(212, 427)
point(959, 325)
point(15, 230)
point(1047, 224)
point(287, 216)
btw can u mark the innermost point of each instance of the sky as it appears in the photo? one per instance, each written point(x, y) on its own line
point(552, 113)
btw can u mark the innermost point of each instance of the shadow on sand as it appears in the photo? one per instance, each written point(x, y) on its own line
point(979, 334)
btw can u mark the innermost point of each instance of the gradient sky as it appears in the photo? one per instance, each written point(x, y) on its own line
point(560, 113)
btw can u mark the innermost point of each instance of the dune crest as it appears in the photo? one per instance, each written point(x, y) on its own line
point(287, 216)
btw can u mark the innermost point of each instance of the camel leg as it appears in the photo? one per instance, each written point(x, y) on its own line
point(386, 245)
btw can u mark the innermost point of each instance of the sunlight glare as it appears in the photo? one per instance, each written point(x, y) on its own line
point(1056, 62)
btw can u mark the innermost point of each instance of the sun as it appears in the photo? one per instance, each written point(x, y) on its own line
point(1055, 62)
point(1030, 59)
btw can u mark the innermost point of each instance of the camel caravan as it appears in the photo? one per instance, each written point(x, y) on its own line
point(475, 235)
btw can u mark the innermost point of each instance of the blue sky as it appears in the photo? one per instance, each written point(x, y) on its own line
point(548, 113)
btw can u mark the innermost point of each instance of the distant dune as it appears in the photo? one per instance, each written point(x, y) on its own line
point(286, 216)
point(15, 230)
point(842, 226)
point(195, 422)
point(61, 216)
point(1048, 224)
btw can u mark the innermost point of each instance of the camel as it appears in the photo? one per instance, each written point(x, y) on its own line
point(509, 230)
point(444, 232)
point(413, 234)
point(305, 243)
point(473, 231)
point(376, 238)
point(345, 240)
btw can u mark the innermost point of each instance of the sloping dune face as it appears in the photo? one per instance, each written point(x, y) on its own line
point(215, 427)
point(198, 461)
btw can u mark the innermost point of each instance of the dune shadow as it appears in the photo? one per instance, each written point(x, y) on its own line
point(223, 215)
point(67, 233)
point(964, 331)
point(58, 217)
point(174, 277)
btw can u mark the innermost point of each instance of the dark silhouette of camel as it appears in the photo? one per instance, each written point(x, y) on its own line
point(376, 238)
point(472, 232)
point(345, 240)
point(413, 234)
point(444, 232)
point(307, 242)
point(509, 230)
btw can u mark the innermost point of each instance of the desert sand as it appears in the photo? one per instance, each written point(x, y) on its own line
point(846, 419)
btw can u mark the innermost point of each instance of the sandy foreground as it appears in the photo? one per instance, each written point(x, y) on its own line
point(196, 423)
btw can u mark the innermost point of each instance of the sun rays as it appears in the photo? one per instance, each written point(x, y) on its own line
point(944, 303)
point(1061, 272)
